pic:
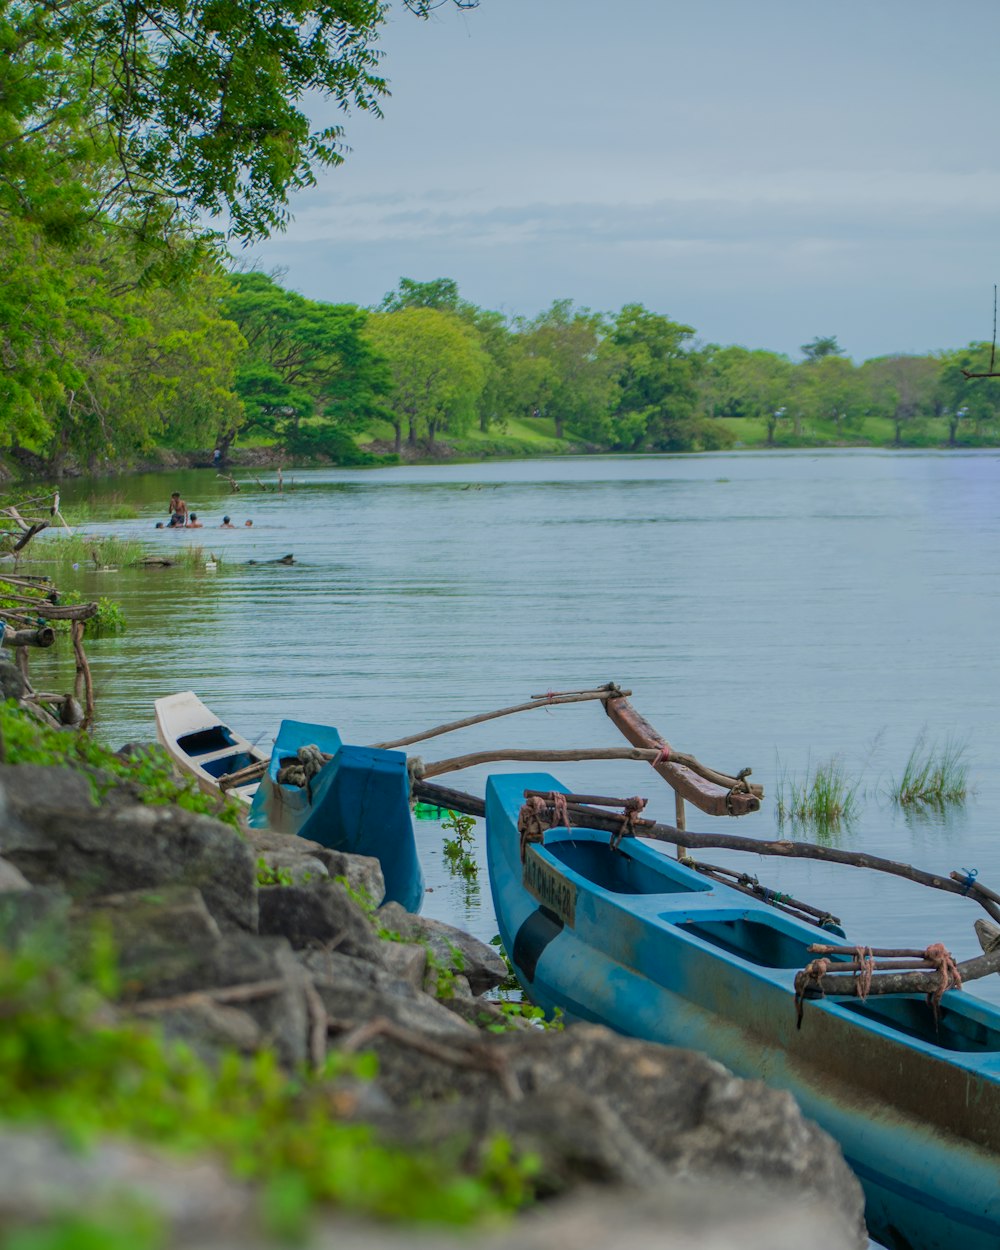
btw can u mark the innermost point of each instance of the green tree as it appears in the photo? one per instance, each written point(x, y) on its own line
point(740, 382)
point(438, 369)
point(974, 401)
point(903, 387)
point(657, 381)
point(100, 363)
point(171, 101)
point(829, 388)
point(440, 294)
point(575, 369)
point(821, 347)
point(309, 375)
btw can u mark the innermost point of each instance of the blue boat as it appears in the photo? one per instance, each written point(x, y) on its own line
point(634, 940)
point(357, 802)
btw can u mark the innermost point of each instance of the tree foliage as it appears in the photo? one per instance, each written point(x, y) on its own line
point(438, 369)
point(305, 360)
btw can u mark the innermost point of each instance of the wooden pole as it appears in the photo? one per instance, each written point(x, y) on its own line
point(536, 701)
point(715, 793)
point(458, 762)
point(910, 982)
point(681, 821)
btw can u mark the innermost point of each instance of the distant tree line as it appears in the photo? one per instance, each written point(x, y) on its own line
point(126, 326)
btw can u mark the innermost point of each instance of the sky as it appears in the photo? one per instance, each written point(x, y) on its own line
point(764, 171)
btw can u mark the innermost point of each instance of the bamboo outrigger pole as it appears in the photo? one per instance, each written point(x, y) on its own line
point(441, 796)
point(551, 699)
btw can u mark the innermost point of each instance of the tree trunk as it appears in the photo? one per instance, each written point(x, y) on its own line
point(559, 427)
point(398, 427)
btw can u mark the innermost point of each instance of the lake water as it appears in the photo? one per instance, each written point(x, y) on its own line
point(771, 610)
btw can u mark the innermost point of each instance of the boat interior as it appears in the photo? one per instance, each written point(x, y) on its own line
point(215, 750)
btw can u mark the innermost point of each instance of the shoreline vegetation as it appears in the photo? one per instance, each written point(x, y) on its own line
point(259, 375)
point(521, 440)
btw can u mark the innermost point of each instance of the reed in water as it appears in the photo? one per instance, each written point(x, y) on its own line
point(825, 798)
point(933, 775)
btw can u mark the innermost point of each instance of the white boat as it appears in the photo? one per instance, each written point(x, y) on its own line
point(203, 746)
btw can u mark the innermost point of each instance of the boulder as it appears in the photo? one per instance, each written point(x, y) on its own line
point(355, 992)
point(320, 913)
point(406, 961)
point(52, 830)
point(480, 964)
point(362, 873)
point(255, 975)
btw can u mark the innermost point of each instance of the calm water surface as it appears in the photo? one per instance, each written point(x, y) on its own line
point(766, 610)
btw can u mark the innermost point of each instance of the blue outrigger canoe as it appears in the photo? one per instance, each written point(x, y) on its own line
point(358, 802)
point(632, 939)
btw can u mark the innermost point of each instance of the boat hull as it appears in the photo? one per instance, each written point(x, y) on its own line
point(202, 745)
point(358, 803)
point(654, 950)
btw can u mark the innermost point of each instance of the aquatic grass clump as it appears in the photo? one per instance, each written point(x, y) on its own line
point(825, 798)
point(933, 775)
point(96, 551)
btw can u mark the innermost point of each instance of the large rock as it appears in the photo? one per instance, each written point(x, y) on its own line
point(355, 992)
point(52, 830)
point(480, 964)
point(362, 873)
point(321, 913)
point(258, 976)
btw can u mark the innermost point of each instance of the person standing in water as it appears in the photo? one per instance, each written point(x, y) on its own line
point(178, 510)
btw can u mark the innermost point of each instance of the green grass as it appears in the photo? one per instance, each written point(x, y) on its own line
point(65, 1065)
point(26, 741)
point(105, 551)
point(824, 798)
point(933, 776)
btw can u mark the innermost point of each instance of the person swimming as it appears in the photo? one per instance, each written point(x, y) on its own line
point(226, 524)
point(193, 522)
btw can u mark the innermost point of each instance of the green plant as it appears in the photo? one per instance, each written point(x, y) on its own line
point(64, 1062)
point(510, 982)
point(109, 618)
point(933, 775)
point(26, 741)
point(107, 551)
point(266, 875)
point(458, 850)
point(824, 798)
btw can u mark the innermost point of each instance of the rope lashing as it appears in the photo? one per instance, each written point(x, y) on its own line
point(861, 962)
point(810, 978)
point(664, 756)
point(970, 879)
point(560, 812)
point(948, 974)
point(532, 822)
point(631, 808)
point(308, 762)
point(863, 973)
point(741, 786)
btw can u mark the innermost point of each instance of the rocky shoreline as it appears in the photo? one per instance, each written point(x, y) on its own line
point(262, 943)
